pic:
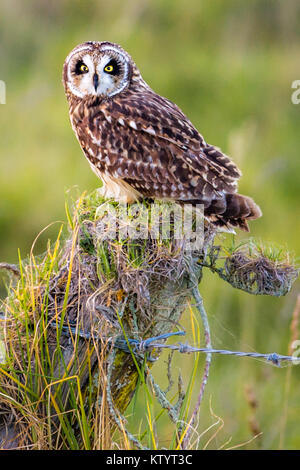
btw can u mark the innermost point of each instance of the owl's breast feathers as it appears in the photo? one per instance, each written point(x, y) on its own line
point(142, 145)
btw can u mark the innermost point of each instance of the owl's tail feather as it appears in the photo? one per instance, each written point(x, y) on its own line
point(229, 211)
point(232, 211)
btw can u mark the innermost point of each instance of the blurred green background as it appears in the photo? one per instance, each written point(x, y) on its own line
point(229, 65)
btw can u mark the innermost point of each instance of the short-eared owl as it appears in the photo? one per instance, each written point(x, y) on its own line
point(141, 144)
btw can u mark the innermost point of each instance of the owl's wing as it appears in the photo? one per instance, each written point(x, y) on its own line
point(159, 120)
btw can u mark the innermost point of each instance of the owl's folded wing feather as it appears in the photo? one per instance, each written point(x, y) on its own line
point(147, 144)
point(148, 113)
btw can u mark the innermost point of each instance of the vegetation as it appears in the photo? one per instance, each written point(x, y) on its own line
point(73, 317)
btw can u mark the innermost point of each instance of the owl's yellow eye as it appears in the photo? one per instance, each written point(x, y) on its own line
point(83, 68)
point(109, 69)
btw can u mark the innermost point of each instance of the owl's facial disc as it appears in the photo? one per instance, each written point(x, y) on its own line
point(99, 72)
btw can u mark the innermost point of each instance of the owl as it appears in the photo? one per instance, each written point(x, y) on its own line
point(142, 145)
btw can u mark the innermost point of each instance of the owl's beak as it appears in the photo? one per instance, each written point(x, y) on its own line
point(96, 81)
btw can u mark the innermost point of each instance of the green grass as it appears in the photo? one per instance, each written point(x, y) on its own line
point(43, 387)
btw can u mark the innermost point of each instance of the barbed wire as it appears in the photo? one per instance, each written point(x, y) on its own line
point(149, 344)
point(184, 348)
point(133, 345)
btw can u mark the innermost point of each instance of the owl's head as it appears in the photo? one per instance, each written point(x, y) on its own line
point(99, 69)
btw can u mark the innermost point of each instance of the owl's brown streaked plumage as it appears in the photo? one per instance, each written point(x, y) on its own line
point(141, 144)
